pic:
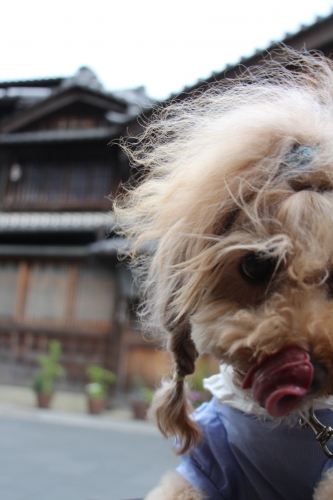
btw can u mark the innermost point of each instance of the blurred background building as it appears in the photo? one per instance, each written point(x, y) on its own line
point(57, 175)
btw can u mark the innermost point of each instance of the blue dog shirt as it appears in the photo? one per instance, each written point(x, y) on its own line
point(243, 457)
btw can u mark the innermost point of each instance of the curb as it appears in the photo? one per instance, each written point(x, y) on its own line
point(77, 420)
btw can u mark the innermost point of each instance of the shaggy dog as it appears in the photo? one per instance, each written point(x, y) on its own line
point(236, 209)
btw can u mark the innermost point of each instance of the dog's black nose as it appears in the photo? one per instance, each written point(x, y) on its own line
point(319, 379)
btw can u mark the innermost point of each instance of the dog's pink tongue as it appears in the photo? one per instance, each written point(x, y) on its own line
point(280, 381)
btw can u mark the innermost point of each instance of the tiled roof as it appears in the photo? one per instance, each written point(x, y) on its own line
point(43, 251)
point(48, 221)
point(312, 36)
point(61, 135)
point(113, 245)
point(109, 247)
point(34, 83)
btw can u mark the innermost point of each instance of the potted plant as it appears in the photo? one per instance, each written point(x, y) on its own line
point(141, 400)
point(50, 370)
point(100, 381)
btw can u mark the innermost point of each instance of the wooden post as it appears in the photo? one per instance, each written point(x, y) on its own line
point(22, 287)
point(71, 293)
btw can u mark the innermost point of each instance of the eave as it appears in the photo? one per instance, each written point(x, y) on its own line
point(66, 135)
point(314, 37)
point(113, 246)
point(35, 83)
point(61, 100)
point(19, 222)
point(36, 251)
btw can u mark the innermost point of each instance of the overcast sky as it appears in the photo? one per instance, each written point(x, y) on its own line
point(162, 44)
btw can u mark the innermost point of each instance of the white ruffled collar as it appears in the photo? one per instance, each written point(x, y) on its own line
point(222, 387)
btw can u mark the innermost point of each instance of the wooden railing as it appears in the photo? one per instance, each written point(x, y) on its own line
point(59, 185)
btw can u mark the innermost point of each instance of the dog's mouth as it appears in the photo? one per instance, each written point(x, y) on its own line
point(279, 382)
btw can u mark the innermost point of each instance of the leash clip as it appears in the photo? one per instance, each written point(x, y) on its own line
point(324, 434)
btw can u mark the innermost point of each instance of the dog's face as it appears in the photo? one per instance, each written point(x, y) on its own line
point(268, 304)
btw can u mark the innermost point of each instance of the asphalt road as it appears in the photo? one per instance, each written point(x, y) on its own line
point(59, 457)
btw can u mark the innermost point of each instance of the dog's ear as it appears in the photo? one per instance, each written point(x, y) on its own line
point(171, 407)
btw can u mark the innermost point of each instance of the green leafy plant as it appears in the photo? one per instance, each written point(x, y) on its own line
point(49, 370)
point(145, 393)
point(141, 391)
point(100, 381)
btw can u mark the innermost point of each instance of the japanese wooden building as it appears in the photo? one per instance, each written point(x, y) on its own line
point(57, 172)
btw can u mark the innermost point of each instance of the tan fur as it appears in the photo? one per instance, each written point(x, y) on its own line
point(324, 490)
point(174, 487)
point(219, 183)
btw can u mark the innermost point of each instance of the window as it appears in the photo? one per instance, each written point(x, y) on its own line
point(94, 287)
point(65, 183)
point(56, 293)
point(55, 180)
point(47, 292)
point(9, 273)
point(78, 185)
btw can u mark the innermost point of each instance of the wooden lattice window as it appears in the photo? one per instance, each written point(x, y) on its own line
point(31, 188)
point(56, 293)
point(55, 180)
point(69, 294)
point(59, 293)
point(94, 288)
point(9, 275)
point(71, 122)
point(68, 183)
point(47, 292)
point(78, 182)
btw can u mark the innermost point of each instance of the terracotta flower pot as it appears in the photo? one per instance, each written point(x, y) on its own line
point(140, 408)
point(44, 399)
point(96, 405)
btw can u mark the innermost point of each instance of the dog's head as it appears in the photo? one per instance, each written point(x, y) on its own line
point(237, 202)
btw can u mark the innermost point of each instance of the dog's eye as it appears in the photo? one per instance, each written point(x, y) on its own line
point(257, 267)
point(329, 285)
